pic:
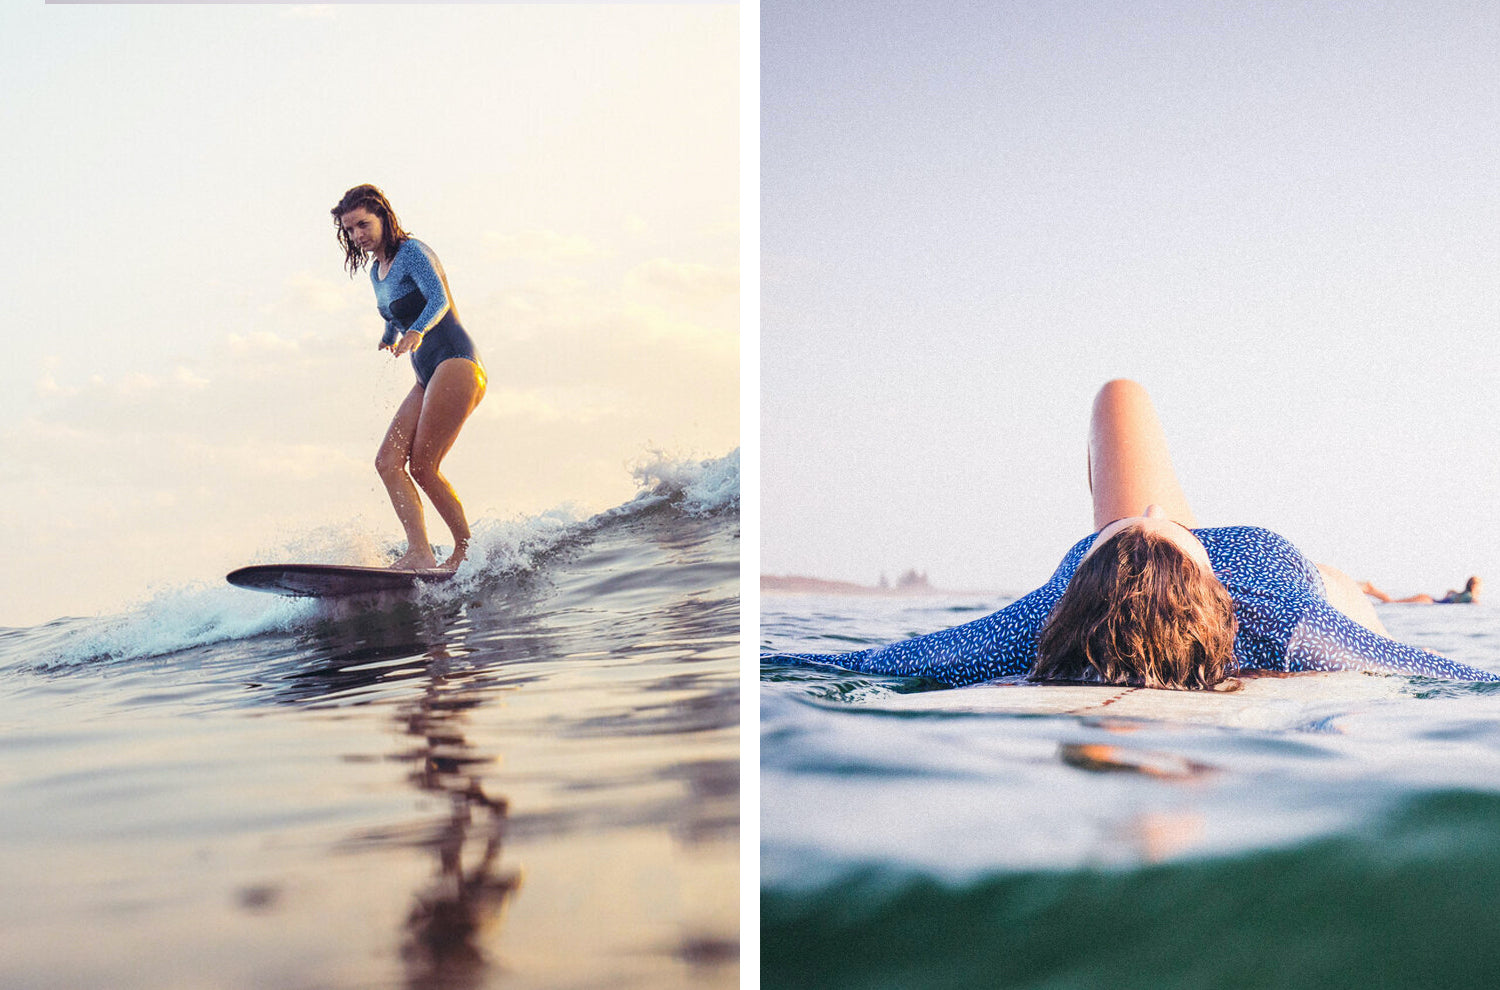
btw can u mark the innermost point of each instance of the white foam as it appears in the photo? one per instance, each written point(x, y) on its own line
point(181, 618)
point(199, 614)
point(695, 487)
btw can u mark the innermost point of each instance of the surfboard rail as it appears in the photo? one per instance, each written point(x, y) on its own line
point(331, 580)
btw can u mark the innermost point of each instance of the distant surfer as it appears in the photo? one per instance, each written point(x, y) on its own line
point(1150, 599)
point(411, 293)
point(1468, 596)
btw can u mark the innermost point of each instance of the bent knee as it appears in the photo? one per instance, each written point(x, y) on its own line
point(425, 473)
point(1121, 399)
point(388, 463)
point(1121, 388)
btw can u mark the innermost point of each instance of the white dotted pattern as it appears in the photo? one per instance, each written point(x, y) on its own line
point(1285, 624)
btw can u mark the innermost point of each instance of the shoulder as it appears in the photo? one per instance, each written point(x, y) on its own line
point(417, 257)
point(1242, 539)
point(1070, 561)
point(412, 247)
point(1252, 556)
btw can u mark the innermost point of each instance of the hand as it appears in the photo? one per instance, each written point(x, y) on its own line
point(410, 341)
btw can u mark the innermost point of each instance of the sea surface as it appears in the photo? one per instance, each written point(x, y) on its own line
point(1351, 840)
point(526, 777)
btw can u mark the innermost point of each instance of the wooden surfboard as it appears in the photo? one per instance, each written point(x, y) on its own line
point(331, 580)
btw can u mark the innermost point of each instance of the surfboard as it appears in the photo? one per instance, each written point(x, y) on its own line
point(331, 580)
point(1301, 701)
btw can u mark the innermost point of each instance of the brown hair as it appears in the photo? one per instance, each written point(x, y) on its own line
point(372, 199)
point(1138, 611)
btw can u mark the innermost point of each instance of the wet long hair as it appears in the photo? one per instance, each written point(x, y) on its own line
point(1140, 612)
point(372, 199)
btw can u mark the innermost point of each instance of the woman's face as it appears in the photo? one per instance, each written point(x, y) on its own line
point(364, 228)
point(1154, 518)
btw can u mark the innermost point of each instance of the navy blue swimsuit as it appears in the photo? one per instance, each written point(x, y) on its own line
point(1285, 624)
point(414, 296)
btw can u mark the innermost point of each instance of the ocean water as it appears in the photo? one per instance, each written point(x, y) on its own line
point(1350, 838)
point(525, 777)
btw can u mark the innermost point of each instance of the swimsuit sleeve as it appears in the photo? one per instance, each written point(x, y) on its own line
point(391, 335)
point(423, 268)
point(1327, 639)
point(1002, 644)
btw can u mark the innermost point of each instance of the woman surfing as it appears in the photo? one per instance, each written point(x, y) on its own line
point(411, 293)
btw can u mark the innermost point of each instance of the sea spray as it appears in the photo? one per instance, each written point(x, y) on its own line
point(695, 487)
point(205, 612)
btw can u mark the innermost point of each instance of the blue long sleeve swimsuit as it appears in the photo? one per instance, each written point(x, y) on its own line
point(414, 296)
point(1285, 624)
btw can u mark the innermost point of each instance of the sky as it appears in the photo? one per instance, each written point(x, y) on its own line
point(1282, 218)
point(192, 379)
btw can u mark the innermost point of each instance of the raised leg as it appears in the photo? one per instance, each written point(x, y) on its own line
point(1129, 464)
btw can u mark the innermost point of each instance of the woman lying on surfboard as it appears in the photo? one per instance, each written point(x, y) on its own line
point(1468, 596)
point(1152, 600)
point(411, 293)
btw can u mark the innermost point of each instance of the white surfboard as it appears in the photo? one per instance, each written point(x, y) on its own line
point(1261, 702)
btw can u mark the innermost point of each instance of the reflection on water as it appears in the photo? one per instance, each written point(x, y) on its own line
point(441, 948)
point(1105, 758)
point(354, 801)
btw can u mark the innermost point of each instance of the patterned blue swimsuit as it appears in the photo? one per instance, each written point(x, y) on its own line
point(414, 296)
point(1285, 624)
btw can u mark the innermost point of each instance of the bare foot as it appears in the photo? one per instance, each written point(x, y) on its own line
point(456, 558)
point(415, 559)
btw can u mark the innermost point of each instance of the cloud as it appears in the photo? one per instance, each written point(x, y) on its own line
point(543, 246)
point(47, 387)
point(578, 404)
point(261, 343)
point(129, 387)
point(685, 281)
point(188, 378)
point(321, 295)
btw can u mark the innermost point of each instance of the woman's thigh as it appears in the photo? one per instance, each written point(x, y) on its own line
point(455, 388)
point(1129, 464)
point(396, 447)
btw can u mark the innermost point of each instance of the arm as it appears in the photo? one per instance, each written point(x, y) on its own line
point(1001, 644)
point(424, 269)
point(1327, 639)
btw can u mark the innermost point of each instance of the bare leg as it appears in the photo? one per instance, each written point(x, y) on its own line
point(390, 461)
point(452, 393)
point(1386, 599)
point(1349, 598)
point(1129, 464)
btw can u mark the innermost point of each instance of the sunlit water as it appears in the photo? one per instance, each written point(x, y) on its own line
point(528, 778)
point(1350, 837)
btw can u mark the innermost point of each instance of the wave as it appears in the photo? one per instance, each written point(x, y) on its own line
point(202, 613)
point(694, 487)
point(1393, 904)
